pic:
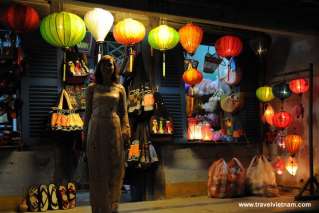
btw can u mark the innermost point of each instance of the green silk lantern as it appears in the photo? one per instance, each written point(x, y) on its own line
point(63, 29)
point(163, 38)
point(265, 94)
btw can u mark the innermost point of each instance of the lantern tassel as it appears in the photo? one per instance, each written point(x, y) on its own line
point(131, 60)
point(64, 65)
point(164, 71)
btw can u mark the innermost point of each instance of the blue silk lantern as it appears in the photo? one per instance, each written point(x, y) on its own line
point(281, 91)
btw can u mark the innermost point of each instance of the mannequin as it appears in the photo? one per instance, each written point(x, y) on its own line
point(106, 127)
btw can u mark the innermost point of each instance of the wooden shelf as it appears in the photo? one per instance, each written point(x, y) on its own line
point(198, 142)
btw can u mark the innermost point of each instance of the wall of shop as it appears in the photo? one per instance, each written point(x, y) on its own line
point(289, 53)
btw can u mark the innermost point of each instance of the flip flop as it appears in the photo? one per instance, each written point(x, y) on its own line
point(32, 199)
point(63, 198)
point(53, 198)
point(43, 198)
point(71, 194)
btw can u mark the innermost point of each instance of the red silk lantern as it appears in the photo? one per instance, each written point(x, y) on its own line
point(282, 119)
point(21, 18)
point(191, 36)
point(192, 76)
point(293, 143)
point(228, 46)
point(299, 86)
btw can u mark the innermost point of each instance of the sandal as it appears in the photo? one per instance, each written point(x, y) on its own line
point(71, 194)
point(63, 197)
point(43, 198)
point(32, 199)
point(53, 198)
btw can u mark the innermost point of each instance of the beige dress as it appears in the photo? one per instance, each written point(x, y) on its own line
point(105, 124)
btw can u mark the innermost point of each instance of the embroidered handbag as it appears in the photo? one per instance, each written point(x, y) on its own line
point(65, 119)
point(211, 62)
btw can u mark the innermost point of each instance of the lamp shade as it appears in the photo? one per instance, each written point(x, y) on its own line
point(293, 143)
point(281, 91)
point(299, 86)
point(264, 94)
point(163, 37)
point(128, 32)
point(99, 22)
point(191, 36)
point(21, 18)
point(282, 119)
point(228, 46)
point(62, 29)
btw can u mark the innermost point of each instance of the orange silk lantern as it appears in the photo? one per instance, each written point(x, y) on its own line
point(207, 133)
point(299, 86)
point(292, 166)
point(192, 76)
point(269, 114)
point(293, 143)
point(228, 46)
point(129, 32)
point(22, 18)
point(282, 119)
point(191, 36)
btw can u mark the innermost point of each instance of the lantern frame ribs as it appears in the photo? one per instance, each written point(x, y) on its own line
point(312, 182)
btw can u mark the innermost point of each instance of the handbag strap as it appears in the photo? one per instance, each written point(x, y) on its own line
point(60, 105)
point(67, 98)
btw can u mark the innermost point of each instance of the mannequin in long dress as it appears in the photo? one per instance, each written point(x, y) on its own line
point(106, 127)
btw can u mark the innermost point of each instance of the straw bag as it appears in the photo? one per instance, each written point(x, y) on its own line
point(65, 119)
point(232, 103)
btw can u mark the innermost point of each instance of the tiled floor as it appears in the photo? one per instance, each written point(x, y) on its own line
point(196, 205)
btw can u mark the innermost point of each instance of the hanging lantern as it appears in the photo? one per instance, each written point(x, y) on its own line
point(99, 22)
point(62, 29)
point(163, 38)
point(281, 91)
point(228, 46)
point(260, 45)
point(21, 18)
point(279, 166)
point(264, 94)
point(192, 76)
point(129, 32)
point(299, 86)
point(268, 114)
point(292, 166)
point(282, 119)
point(293, 143)
point(191, 36)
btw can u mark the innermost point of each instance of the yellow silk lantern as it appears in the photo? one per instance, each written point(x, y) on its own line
point(265, 94)
point(191, 36)
point(129, 32)
point(163, 38)
point(292, 166)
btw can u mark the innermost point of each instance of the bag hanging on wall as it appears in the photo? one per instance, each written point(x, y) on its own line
point(75, 66)
point(134, 149)
point(65, 119)
point(233, 102)
point(211, 62)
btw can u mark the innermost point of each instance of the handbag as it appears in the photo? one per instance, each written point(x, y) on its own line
point(75, 67)
point(65, 119)
point(211, 62)
point(232, 103)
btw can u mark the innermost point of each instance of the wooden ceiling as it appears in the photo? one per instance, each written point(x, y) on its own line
point(292, 17)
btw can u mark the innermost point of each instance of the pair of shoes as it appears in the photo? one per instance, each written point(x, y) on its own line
point(67, 196)
point(53, 197)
